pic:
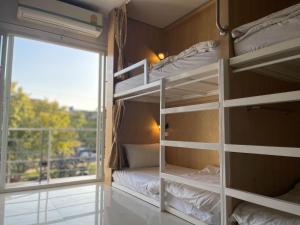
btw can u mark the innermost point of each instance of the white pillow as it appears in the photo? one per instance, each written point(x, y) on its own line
point(142, 155)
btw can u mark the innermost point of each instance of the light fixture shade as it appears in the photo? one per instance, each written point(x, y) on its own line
point(161, 55)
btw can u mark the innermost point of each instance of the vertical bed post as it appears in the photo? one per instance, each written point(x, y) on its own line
point(223, 128)
point(146, 77)
point(162, 148)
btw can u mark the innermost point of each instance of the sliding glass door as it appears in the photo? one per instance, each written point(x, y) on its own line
point(53, 114)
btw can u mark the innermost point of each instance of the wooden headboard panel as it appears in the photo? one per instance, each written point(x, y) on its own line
point(140, 123)
point(196, 27)
point(245, 11)
point(143, 41)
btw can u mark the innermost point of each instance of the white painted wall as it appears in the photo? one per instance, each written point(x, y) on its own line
point(9, 23)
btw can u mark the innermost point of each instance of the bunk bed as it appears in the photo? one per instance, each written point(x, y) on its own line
point(272, 29)
point(199, 204)
point(193, 73)
point(178, 69)
point(260, 47)
point(269, 46)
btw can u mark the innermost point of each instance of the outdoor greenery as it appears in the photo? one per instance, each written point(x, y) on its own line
point(27, 149)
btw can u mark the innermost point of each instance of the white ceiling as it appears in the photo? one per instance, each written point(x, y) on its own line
point(159, 13)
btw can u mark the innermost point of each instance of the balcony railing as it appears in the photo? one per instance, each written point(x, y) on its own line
point(42, 154)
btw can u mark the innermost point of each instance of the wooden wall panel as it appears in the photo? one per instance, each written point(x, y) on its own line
point(140, 123)
point(189, 31)
point(143, 41)
point(267, 175)
point(191, 158)
point(245, 11)
point(196, 126)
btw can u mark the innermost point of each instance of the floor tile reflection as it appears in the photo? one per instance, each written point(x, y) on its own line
point(92, 204)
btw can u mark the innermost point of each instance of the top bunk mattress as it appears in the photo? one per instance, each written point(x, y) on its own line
point(272, 29)
point(198, 55)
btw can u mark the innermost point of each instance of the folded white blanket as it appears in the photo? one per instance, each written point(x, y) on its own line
point(200, 199)
point(201, 47)
point(196, 202)
point(196, 49)
point(275, 18)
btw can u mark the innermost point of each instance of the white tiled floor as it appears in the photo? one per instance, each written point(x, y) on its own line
point(92, 204)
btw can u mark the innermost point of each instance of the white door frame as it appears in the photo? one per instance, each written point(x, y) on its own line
point(7, 59)
point(6, 75)
point(101, 118)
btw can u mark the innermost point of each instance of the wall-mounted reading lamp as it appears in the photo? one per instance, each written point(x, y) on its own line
point(167, 126)
point(161, 55)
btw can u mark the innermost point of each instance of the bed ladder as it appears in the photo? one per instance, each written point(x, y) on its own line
point(166, 175)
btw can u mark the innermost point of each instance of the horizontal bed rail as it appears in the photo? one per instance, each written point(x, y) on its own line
point(136, 194)
point(190, 144)
point(269, 202)
point(291, 96)
point(192, 108)
point(143, 63)
point(263, 150)
point(167, 175)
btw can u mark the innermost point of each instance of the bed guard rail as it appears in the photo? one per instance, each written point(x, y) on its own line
point(143, 63)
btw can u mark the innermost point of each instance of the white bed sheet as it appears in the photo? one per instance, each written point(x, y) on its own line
point(250, 214)
point(198, 203)
point(213, 217)
point(275, 28)
point(179, 66)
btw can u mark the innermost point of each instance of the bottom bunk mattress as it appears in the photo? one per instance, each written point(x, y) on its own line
point(197, 203)
point(250, 214)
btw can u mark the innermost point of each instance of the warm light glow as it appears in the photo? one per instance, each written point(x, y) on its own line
point(155, 129)
point(161, 56)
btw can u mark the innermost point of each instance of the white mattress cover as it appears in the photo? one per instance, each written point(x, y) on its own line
point(212, 218)
point(181, 65)
point(250, 214)
point(201, 204)
point(277, 27)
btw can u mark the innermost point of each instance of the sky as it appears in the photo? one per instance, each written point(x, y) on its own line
point(48, 71)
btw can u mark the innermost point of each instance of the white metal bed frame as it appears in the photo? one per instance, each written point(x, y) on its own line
point(160, 87)
point(260, 61)
point(256, 61)
point(200, 76)
point(164, 174)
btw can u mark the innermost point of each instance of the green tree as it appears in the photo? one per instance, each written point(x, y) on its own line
point(31, 146)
